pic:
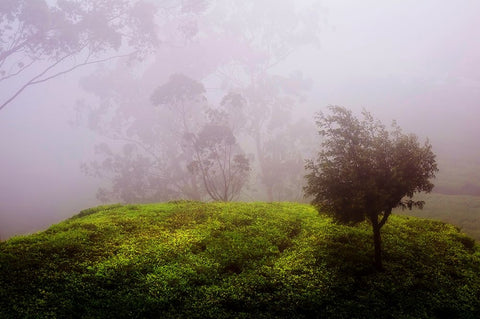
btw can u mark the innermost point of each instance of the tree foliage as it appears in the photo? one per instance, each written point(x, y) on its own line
point(185, 149)
point(219, 160)
point(156, 137)
point(260, 105)
point(214, 158)
point(41, 40)
point(363, 170)
point(264, 113)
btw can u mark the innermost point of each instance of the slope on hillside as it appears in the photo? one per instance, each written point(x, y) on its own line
point(236, 260)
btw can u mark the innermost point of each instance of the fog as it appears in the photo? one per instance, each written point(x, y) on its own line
point(414, 62)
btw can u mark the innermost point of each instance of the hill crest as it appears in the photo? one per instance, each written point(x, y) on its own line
point(192, 259)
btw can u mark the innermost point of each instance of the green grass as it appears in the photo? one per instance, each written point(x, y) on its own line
point(236, 260)
point(460, 210)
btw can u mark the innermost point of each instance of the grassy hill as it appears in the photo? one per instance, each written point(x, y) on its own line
point(236, 260)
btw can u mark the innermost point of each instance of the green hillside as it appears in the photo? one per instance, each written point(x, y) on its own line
point(236, 260)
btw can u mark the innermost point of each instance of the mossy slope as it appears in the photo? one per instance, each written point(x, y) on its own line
point(236, 260)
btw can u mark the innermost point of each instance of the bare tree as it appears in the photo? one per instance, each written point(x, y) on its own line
point(219, 160)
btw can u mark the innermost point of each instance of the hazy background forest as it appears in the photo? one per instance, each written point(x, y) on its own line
point(126, 130)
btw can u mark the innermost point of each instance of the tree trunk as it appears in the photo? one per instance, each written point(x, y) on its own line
point(270, 193)
point(377, 240)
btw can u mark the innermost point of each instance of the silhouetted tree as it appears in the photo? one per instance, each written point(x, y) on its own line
point(187, 150)
point(271, 99)
point(261, 107)
point(263, 114)
point(216, 159)
point(184, 97)
point(148, 154)
point(41, 40)
point(363, 170)
point(186, 103)
point(219, 162)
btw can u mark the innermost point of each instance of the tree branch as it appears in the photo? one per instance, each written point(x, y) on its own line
point(81, 65)
point(18, 71)
point(5, 54)
point(21, 89)
point(37, 79)
point(385, 216)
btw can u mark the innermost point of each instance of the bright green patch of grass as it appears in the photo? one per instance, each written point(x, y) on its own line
point(236, 260)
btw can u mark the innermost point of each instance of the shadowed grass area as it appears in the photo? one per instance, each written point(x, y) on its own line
point(236, 260)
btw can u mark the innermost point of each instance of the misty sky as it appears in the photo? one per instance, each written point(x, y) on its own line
point(414, 61)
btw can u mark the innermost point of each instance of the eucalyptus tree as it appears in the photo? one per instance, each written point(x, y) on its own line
point(147, 153)
point(219, 162)
point(232, 48)
point(280, 142)
point(41, 40)
point(271, 31)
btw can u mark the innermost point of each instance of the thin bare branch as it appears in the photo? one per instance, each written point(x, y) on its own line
point(80, 65)
point(18, 71)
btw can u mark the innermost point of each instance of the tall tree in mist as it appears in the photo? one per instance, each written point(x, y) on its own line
point(280, 142)
point(185, 102)
point(155, 166)
point(187, 151)
point(208, 143)
point(273, 30)
point(219, 162)
point(363, 170)
point(41, 40)
point(233, 47)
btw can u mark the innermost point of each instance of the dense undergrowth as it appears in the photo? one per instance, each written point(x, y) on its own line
point(236, 260)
